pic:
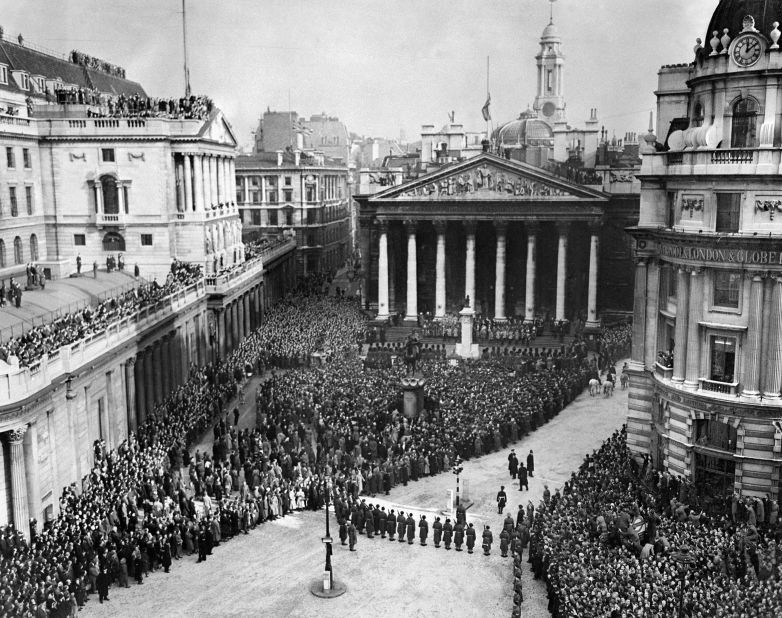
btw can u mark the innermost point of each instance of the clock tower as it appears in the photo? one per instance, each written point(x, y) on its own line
point(549, 102)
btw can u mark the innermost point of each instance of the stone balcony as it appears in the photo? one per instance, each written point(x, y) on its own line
point(742, 161)
point(17, 125)
point(103, 219)
point(18, 383)
point(226, 282)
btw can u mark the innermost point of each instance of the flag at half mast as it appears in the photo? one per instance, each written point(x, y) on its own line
point(485, 109)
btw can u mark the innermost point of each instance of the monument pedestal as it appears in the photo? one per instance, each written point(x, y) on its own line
point(413, 395)
point(466, 348)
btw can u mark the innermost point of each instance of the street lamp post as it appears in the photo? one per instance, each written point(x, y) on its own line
point(683, 559)
point(457, 470)
point(327, 540)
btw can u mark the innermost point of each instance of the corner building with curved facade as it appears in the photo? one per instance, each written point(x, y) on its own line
point(706, 369)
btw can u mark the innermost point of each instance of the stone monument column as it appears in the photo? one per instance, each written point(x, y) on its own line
point(469, 267)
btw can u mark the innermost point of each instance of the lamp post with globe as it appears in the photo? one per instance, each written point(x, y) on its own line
point(457, 470)
point(327, 588)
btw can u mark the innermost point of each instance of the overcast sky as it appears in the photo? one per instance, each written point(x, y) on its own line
point(380, 66)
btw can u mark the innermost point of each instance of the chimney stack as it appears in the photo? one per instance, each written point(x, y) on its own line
point(279, 158)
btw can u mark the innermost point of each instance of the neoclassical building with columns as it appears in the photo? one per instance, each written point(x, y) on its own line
point(517, 240)
point(705, 397)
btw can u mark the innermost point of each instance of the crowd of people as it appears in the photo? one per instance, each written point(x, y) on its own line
point(149, 502)
point(615, 542)
point(485, 329)
point(104, 105)
point(94, 319)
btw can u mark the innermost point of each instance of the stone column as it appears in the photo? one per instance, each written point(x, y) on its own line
point(240, 321)
point(180, 184)
point(19, 502)
point(440, 298)
point(232, 176)
point(222, 334)
point(138, 375)
point(157, 376)
point(164, 369)
point(99, 196)
point(411, 313)
point(562, 228)
point(235, 324)
point(499, 272)
point(680, 336)
point(188, 184)
point(772, 382)
point(652, 312)
point(149, 380)
point(594, 256)
point(32, 479)
point(248, 327)
point(469, 263)
point(382, 273)
point(198, 181)
point(639, 313)
point(130, 394)
point(213, 180)
point(529, 295)
point(752, 356)
point(694, 329)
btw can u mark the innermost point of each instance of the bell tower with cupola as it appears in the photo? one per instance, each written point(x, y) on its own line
point(549, 101)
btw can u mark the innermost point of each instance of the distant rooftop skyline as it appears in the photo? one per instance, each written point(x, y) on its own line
point(379, 67)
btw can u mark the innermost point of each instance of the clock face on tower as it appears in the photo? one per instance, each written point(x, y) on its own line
point(747, 49)
point(548, 109)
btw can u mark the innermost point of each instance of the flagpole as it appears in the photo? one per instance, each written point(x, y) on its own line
point(488, 135)
point(290, 121)
point(184, 41)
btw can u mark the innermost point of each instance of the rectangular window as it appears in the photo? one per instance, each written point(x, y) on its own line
point(3, 74)
point(25, 81)
point(80, 240)
point(28, 196)
point(14, 205)
point(722, 359)
point(272, 196)
point(273, 217)
point(727, 288)
point(288, 181)
point(107, 155)
point(549, 75)
point(10, 159)
point(256, 216)
point(311, 193)
point(728, 210)
point(146, 240)
point(26, 158)
point(287, 195)
point(312, 216)
point(289, 216)
point(255, 190)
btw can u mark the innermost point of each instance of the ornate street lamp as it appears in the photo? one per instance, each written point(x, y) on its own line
point(327, 588)
point(684, 560)
point(327, 540)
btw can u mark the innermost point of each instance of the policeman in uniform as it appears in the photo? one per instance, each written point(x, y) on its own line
point(410, 529)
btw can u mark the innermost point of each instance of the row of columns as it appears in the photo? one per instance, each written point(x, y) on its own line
point(762, 351)
point(238, 319)
point(204, 181)
point(501, 228)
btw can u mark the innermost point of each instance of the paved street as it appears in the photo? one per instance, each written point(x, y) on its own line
point(269, 571)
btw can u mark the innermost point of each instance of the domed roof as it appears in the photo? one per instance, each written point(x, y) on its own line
point(524, 130)
point(550, 32)
point(731, 13)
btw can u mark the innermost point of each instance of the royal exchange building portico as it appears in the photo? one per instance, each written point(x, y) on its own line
point(517, 240)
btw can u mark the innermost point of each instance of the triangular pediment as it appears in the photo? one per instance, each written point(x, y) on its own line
point(217, 129)
point(487, 177)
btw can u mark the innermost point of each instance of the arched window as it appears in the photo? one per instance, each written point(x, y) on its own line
point(108, 186)
point(33, 248)
point(113, 242)
point(744, 126)
point(2, 253)
point(697, 115)
point(18, 253)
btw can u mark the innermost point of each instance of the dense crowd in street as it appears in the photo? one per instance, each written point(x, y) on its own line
point(149, 502)
point(613, 544)
point(511, 331)
point(95, 319)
